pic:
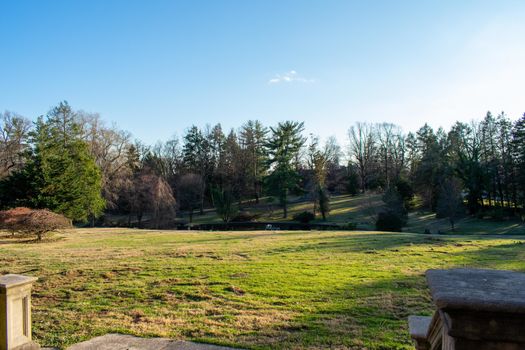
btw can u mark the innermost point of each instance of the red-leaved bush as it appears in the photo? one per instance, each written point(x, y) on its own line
point(32, 221)
point(9, 219)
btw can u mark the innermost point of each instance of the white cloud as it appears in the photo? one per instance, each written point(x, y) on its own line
point(289, 77)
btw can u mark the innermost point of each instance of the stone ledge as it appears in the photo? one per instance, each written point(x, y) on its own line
point(28, 346)
point(128, 342)
point(478, 290)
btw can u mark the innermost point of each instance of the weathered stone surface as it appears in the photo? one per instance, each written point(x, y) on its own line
point(128, 342)
point(477, 309)
point(419, 329)
point(478, 290)
point(28, 346)
point(12, 280)
point(418, 326)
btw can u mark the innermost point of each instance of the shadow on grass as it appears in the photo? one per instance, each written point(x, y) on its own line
point(374, 315)
point(30, 239)
point(469, 225)
point(358, 316)
point(509, 256)
point(221, 236)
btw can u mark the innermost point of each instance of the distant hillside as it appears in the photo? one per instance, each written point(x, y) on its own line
point(362, 210)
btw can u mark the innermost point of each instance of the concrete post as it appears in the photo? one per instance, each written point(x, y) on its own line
point(15, 313)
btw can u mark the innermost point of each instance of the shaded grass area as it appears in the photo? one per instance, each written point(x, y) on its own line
point(419, 221)
point(255, 290)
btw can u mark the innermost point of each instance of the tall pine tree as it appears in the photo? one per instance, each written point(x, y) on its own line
point(68, 180)
point(283, 148)
point(518, 152)
point(252, 140)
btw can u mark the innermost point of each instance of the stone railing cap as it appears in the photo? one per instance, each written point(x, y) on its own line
point(419, 326)
point(478, 290)
point(12, 280)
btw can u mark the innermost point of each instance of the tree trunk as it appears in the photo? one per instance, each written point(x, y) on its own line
point(256, 188)
point(283, 199)
point(139, 218)
point(203, 193)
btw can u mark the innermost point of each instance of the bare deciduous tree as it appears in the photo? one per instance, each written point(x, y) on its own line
point(108, 145)
point(153, 195)
point(450, 202)
point(391, 151)
point(14, 135)
point(363, 151)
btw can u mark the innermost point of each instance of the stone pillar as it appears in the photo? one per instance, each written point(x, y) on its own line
point(15, 313)
point(476, 309)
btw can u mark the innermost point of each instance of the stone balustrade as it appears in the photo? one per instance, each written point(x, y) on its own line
point(15, 313)
point(476, 309)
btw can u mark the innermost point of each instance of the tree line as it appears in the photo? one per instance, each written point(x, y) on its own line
point(73, 163)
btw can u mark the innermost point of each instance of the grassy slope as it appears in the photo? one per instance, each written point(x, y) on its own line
point(260, 290)
point(363, 210)
point(344, 208)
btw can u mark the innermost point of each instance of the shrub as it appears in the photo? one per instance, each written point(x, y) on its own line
point(270, 200)
point(224, 204)
point(496, 214)
point(389, 221)
point(349, 226)
point(36, 222)
point(11, 219)
point(352, 185)
point(304, 217)
point(405, 191)
point(394, 205)
point(244, 216)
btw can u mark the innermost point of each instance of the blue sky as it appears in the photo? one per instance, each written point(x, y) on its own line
point(157, 67)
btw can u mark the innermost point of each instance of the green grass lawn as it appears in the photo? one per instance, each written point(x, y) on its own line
point(256, 290)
